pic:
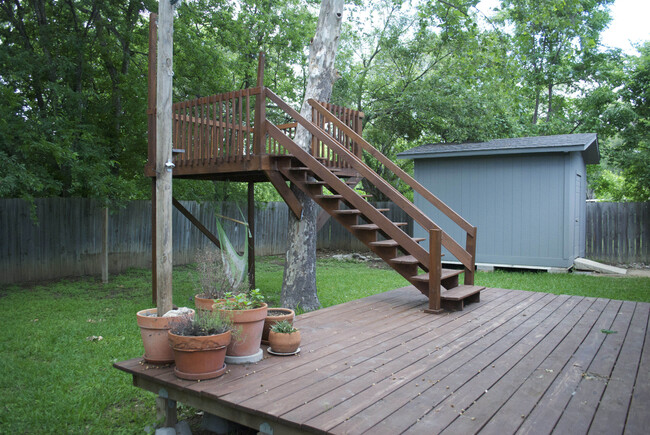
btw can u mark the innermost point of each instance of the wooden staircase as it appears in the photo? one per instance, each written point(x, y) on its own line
point(419, 265)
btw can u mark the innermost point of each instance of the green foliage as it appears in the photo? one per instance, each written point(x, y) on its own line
point(283, 327)
point(241, 301)
point(202, 323)
point(632, 154)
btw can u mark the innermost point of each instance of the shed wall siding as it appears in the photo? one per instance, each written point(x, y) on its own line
point(518, 203)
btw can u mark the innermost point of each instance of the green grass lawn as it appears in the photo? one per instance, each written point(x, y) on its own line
point(53, 379)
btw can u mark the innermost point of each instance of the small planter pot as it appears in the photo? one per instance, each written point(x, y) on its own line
point(199, 358)
point(202, 303)
point(284, 343)
point(249, 324)
point(284, 314)
point(153, 330)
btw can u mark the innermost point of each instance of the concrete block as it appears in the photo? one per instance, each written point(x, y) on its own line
point(557, 270)
point(485, 268)
point(584, 264)
point(183, 428)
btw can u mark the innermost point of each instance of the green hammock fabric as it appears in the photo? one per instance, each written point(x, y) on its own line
point(235, 265)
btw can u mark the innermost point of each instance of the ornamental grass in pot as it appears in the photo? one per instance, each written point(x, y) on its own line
point(284, 338)
point(247, 311)
point(199, 345)
point(213, 279)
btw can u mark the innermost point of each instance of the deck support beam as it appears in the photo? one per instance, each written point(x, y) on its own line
point(285, 192)
point(166, 415)
point(251, 234)
point(185, 212)
point(164, 72)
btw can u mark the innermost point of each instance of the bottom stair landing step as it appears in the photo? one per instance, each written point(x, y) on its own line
point(461, 292)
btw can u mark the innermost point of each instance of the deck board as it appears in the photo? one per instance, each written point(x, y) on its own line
point(516, 362)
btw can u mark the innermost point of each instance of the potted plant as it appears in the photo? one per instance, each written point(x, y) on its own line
point(153, 330)
point(247, 312)
point(213, 281)
point(273, 316)
point(284, 338)
point(199, 344)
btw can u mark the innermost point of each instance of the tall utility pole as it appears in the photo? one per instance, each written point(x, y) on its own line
point(163, 190)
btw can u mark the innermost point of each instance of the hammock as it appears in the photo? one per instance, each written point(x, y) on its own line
point(235, 265)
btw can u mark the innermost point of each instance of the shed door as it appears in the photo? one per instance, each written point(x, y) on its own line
point(577, 204)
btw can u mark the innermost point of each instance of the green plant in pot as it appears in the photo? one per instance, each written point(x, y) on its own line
point(284, 338)
point(247, 311)
point(199, 343)
point(273, 316)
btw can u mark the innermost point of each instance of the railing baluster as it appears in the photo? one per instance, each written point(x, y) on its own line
point(240, 133)
point(248, 124)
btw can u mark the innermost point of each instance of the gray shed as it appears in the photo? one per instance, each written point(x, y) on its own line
point(527, 196)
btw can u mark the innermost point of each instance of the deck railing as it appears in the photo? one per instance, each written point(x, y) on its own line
point(221, 128)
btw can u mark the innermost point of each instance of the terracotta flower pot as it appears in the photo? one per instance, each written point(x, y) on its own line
point(284, 343)
point(202, 303)
point(287, 314)
point(199, 358)
point(249, 324)
point(153, 330)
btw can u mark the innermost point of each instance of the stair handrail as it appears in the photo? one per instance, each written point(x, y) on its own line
point(324, 173)
point(465, 257)
point(403, 175)
point(469, 229)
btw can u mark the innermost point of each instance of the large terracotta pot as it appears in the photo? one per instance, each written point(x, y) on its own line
point(153, 330)
point(249, 324)
point(202, 303)
point(199, 358)
point(284, 343)
point(287, 314)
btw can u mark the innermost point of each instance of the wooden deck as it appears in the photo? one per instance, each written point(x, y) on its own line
point(516, 362)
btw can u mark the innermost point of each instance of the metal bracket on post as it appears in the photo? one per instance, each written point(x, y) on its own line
point(169, 165)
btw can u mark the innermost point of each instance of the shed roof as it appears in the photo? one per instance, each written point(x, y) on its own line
point(587, 143)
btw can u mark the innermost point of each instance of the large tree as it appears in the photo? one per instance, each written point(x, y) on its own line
point(299, 283)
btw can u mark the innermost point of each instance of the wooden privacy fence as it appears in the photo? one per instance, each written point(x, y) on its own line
point(618, 232)
point(67, 241)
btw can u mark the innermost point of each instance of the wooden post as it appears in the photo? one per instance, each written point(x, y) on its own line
point(259, 138)
point(105, 245)
point(164, 71)
point(251, 237)
point(435, 271)
point(166, 414)
point(151, 138)
point(470, 247)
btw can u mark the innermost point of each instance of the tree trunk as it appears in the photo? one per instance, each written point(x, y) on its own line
point(299, 285)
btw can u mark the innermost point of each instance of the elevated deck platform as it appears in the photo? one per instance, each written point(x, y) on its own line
point(516, 362)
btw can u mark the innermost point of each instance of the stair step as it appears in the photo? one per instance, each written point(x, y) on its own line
point(347, 211)
point(446, 273)
point(328, 196)
point(372, 227)
point(407, 259)
point(392, 243)
point(316, 183)
point(461, 292)
point(299, 168)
